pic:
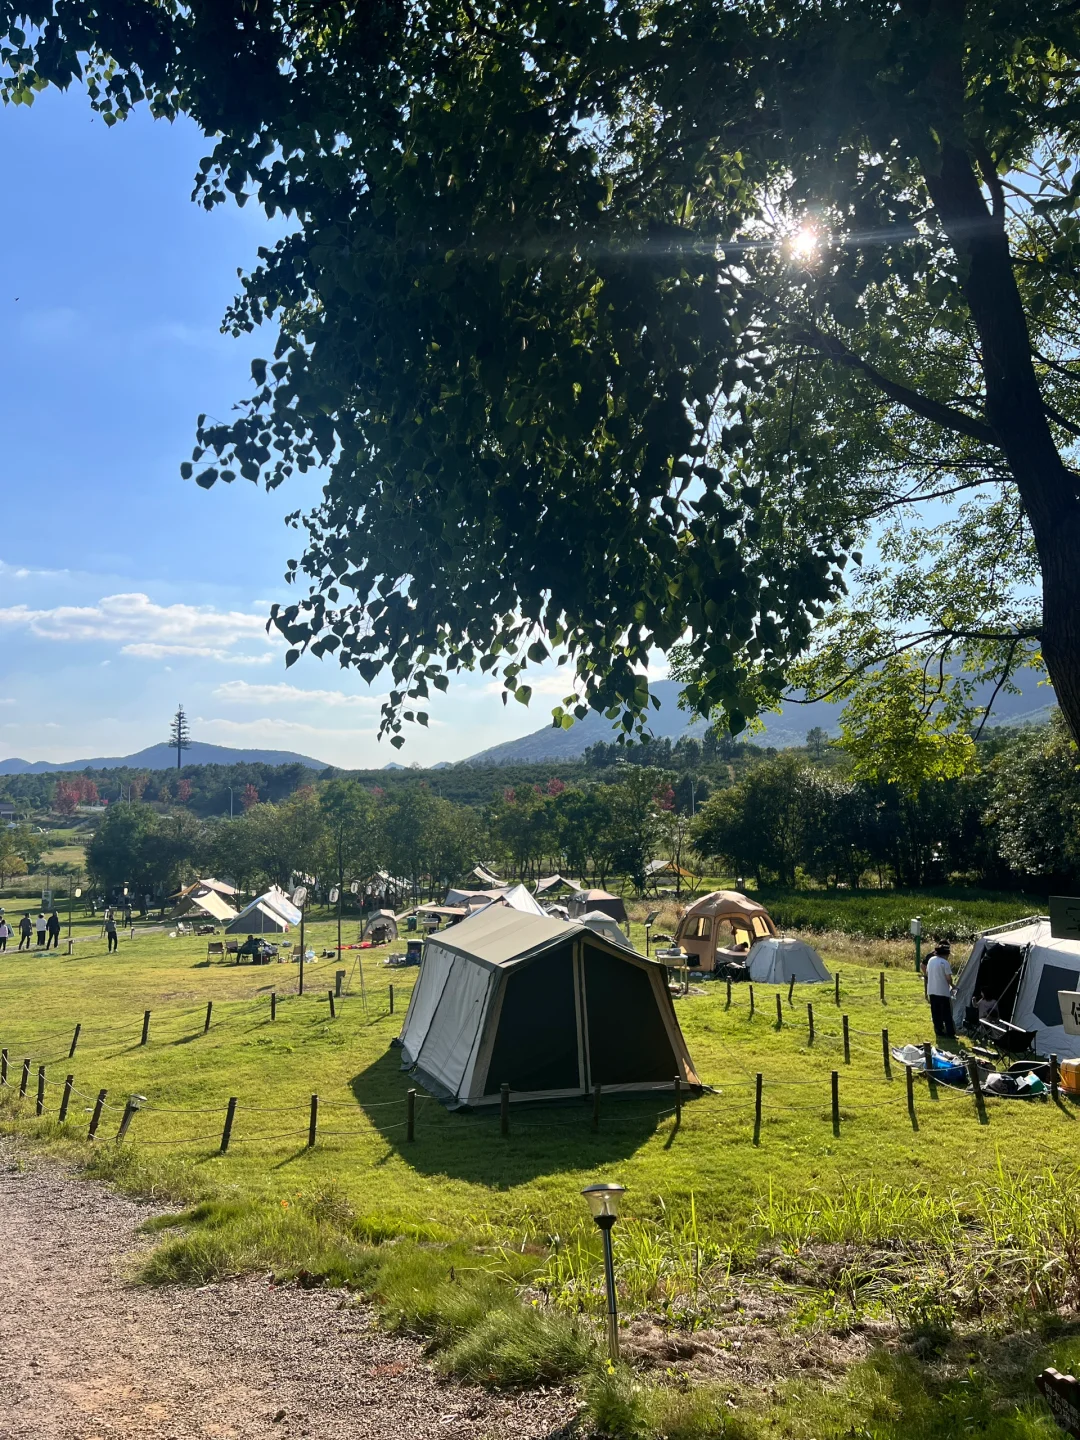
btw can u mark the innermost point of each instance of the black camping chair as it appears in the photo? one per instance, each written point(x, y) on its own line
point(1009, 1039)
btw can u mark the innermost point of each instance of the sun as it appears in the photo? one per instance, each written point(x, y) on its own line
point(804, 244)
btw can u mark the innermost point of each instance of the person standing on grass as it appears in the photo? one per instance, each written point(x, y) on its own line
point(25, 931)
point(42, 926)
point(939, 989)
point(53, 927)
point(110, 931)
point(5, 933)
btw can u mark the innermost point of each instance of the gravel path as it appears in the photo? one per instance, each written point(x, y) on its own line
point(86, 1355)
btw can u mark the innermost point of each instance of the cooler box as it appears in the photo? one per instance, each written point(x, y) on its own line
point(1069, 1073)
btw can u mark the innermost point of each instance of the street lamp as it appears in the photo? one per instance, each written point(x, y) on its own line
point(603, 1203)
point(77, 893)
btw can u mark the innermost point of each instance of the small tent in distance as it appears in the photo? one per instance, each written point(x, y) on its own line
point(583, 901)
point(778, 961)
point(549, 1008)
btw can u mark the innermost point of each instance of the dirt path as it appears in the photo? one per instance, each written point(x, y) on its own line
point(85, 1355)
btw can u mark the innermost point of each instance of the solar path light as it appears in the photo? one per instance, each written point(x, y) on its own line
point(604, 1206)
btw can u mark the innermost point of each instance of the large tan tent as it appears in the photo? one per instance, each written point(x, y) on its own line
point(205, 903)
point(722, 926)
point(549, 1008)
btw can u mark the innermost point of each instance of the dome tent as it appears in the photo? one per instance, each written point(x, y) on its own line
point(778, 961)
point(722, 925)
point(549, 1008)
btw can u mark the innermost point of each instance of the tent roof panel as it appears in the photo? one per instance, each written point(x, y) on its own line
point(499, 936)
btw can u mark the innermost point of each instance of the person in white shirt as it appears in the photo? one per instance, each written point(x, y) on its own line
point(939, 989)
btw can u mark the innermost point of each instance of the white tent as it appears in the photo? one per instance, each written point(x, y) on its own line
point(605, 925)
point(271, 913)
point(276, 898)
point(778, 960)
point(205, 902)
point(1022, 967)
point(548, 1008)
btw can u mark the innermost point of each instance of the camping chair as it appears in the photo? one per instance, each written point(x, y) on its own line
point(215, 950)
point(1010, 1039)
point(231, 947)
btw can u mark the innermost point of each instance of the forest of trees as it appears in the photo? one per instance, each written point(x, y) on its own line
point(799, 816)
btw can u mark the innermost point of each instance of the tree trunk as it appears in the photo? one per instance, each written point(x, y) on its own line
point(1014, 404)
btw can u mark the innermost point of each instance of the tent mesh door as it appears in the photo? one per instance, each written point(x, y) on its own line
point(999, 976)
point(536, 1047)
point(628, 1041)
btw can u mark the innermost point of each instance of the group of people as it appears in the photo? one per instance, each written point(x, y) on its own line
point(47, 928)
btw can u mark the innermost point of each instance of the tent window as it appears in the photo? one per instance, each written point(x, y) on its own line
point(628, 1042)
point(1053, 978)
point(699, 930)
point(999, 976)
point(536, 1047)
point(760, 927)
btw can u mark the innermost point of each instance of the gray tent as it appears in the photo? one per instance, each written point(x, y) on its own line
point(1023, 969)
point(548, 1008)
point(778, 961)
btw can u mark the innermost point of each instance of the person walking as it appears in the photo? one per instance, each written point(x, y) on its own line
point(939, 989)
point(42, 925)
point(110, 931)
point(5, 934)
point(26, 930)
point(127, 914)
point(52, 925)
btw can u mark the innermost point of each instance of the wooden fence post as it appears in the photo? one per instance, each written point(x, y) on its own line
point(209, 1012)
point(779, 1012)
point(791, 990)
point(678, 1097)
point(313, 1123)
point(41, 1090)
point(728, 1005)
point(758, 1081)
point(504, 1109)
point(836, 988)
point(810, 1021)
point(751, 999)
point(1054, 1078)
point(886, 1059)
point(339, 980)
point(836, 1102)
point(881, 986)
point(330, 997)
point(3, 1067)
point(595, 1108)
point(145, 1027)
point(976, 1086)
point(25, 1081)
point(273, 1004)
point(75, 1040)
point(230, 1116)
point(847, 1040)
point(65, 1099)
point(410, 1115)
point(391, 999)
point(95, 1119)
point(911, 1095)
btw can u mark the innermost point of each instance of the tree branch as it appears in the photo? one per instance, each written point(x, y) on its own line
point(830, 347)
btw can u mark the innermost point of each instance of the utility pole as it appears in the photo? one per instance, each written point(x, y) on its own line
point(230, 790)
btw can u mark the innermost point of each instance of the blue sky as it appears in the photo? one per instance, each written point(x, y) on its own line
point(124, 589)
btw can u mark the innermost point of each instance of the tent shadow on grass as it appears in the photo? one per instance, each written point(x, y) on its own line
point(544, 1139)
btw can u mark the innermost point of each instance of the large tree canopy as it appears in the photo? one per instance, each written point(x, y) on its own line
point(617, 324)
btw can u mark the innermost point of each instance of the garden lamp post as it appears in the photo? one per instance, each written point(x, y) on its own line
point(299, 899)
point(916, 935)
point(76, 894)
point(603, 1203)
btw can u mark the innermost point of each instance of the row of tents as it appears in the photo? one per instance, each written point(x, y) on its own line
point(211, 900)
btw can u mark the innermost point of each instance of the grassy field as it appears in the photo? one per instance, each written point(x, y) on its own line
point(952, 1231)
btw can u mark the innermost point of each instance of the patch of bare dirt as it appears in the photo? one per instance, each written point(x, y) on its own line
point(85, 1354)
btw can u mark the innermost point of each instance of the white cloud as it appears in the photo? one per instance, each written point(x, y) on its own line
point(560, 683)
point(268, 728)
point(145, 630)
point(240, 692)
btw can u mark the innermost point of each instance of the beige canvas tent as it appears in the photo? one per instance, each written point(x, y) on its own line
point(722, 926)
point(549, 1008)
point(208, 903)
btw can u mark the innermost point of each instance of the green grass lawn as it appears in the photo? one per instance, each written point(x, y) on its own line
point(702, 1195)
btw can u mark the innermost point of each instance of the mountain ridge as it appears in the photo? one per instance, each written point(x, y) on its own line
point(163, 757)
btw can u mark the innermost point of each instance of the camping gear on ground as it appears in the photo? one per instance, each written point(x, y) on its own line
point(1022, 968)
point(582, 901)
point(380, 928)
point(1014, 1087)
point(1069, 1072)
point(779, 960)
point(944, 1065)
point(414, 950)
point(722, 925)
point(548, 1008)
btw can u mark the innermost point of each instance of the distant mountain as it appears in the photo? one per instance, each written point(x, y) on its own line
point(163, 757)
point(786, 727)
